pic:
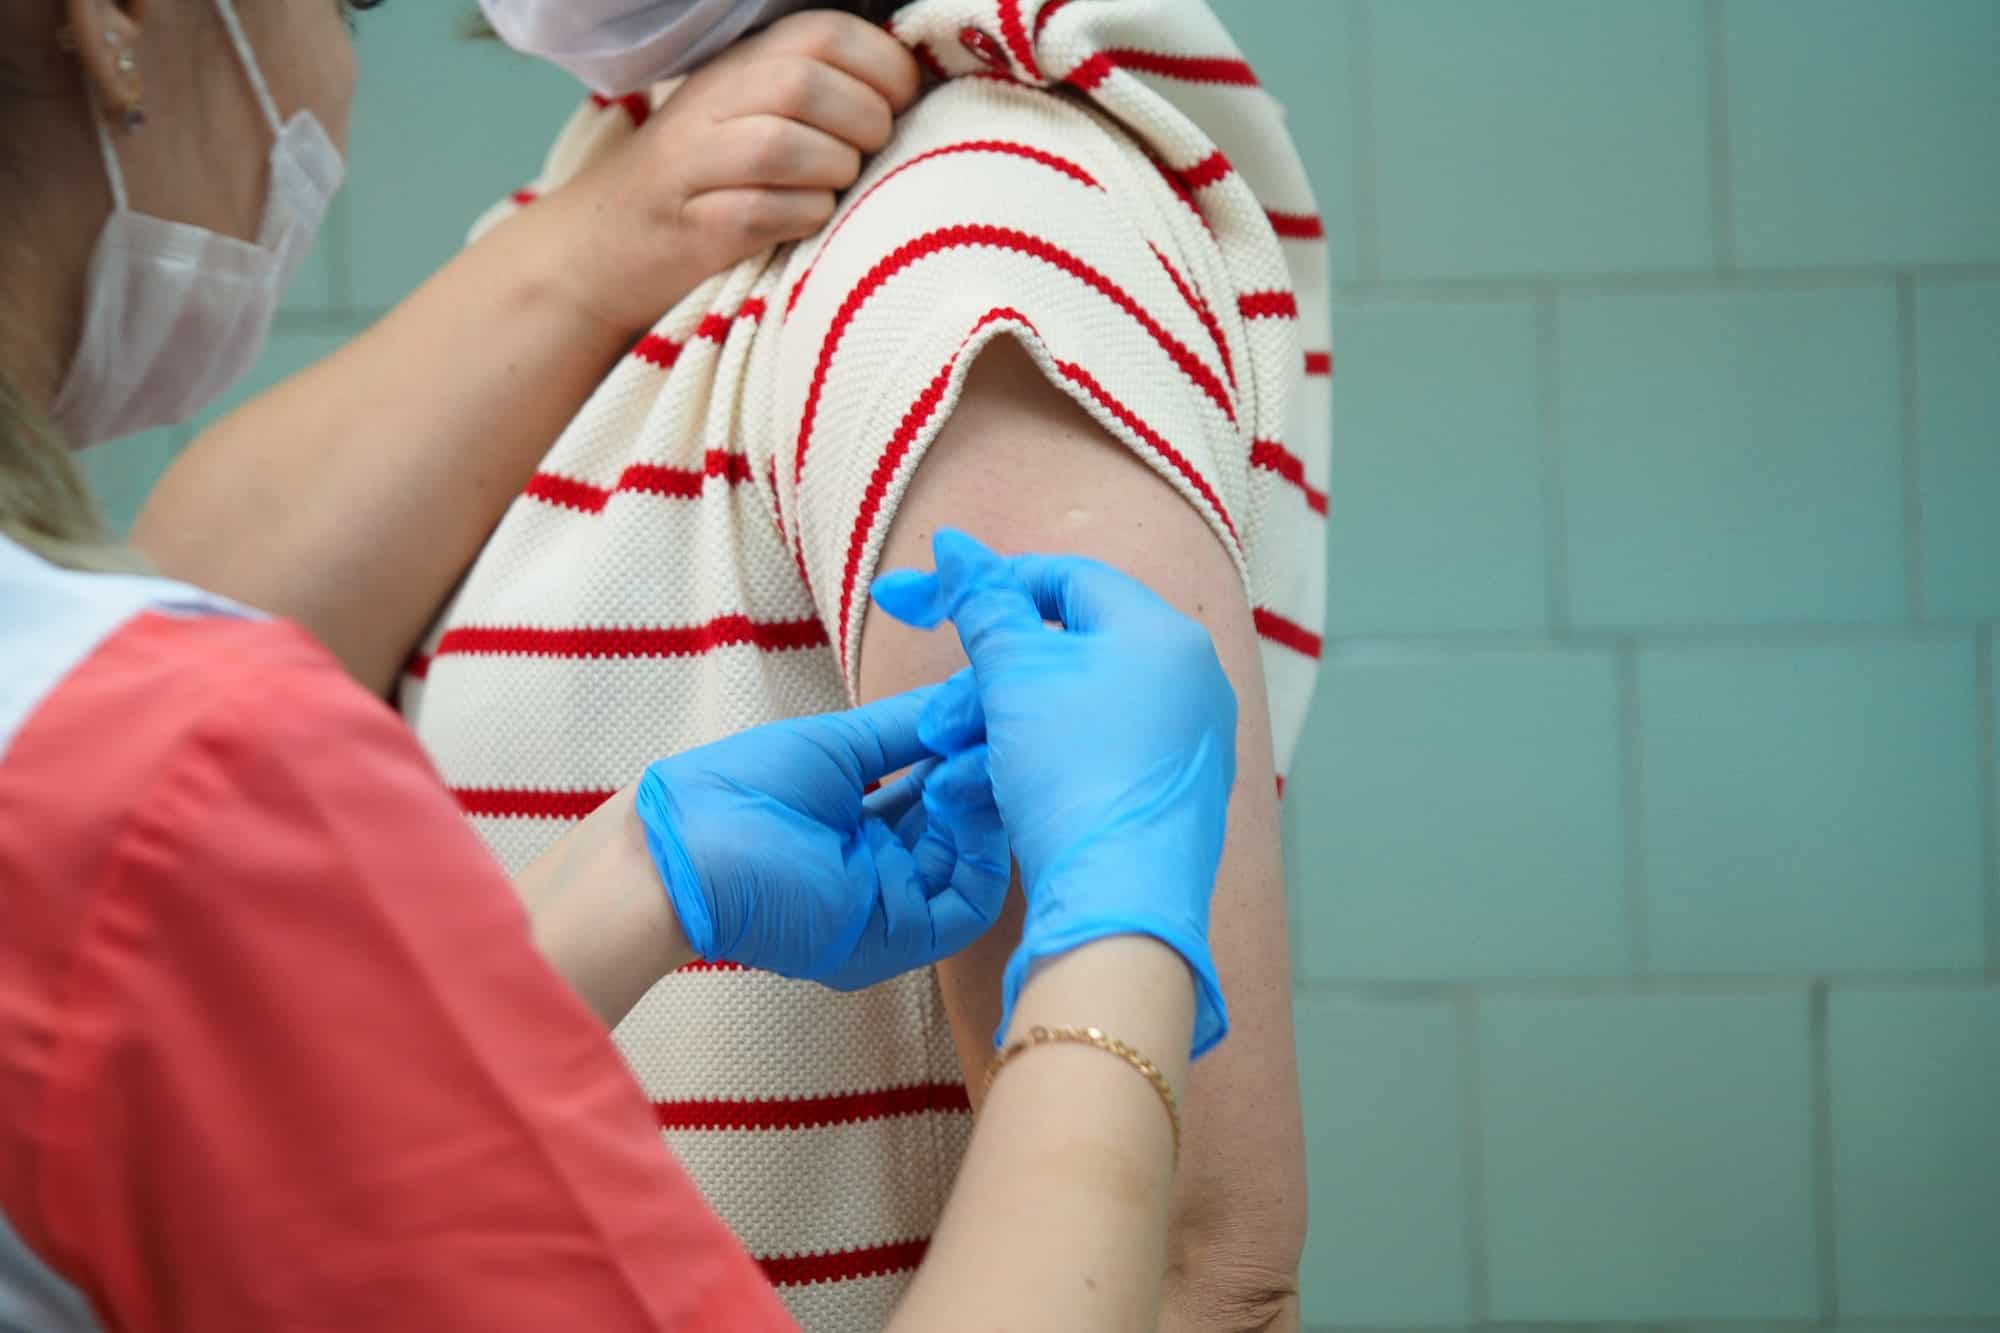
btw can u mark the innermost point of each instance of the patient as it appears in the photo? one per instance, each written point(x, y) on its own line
point(1078, 303)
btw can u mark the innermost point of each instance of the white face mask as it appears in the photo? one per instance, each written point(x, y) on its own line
point(174, 313)
point(621, 46)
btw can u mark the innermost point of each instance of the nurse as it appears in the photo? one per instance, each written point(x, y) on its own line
point(279, 1047)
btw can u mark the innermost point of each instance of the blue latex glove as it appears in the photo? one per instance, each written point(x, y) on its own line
point(1112, 748)
point(774, 859)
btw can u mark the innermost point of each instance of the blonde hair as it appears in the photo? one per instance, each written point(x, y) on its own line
point(45, 504)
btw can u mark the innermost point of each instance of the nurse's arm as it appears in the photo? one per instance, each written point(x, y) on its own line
point(314, 1073)
point(1023, 468)
point(351, 497)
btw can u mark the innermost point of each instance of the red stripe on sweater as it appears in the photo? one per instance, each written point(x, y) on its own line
point(703, 965)
point(418, 667)
point(891, 458)
point(930, 62)
point(1281, 786)
point(717, 327)
point(1048, 11)
point(525, 803)
point(659, 351)
point(1180, 189)
point(777, 509)
point(843, 1265)
point(685, 483)
point(1003, 238)
point(1092, 72)
point(1202, 312)
point(1297, 226)
point(566, 493)
point(676, 483)
point(1211, 170)
point(589, 642)
point(1274, 457)
point(849, 1108)
point(1287, 633)
point(524, 196)
point(1077, 375)
point(1268, 305)
point(663, 351)
point(635, 106)
point(1002, 146)
point(1187, 69)
point(1319, 363)
point(1015, 34)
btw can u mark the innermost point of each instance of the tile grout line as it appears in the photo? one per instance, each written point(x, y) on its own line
point(1655, 983)
point(340, 267)
point(1525, 286)
point(1721, 160)
point(1607, 638)
point(1819, 1082)
point(1555, 525)
point(1906, 1323)
point(1638, 923)
point(1989, 787)
point(1361, 109)
point(1911, 425)
point(1472, 1160)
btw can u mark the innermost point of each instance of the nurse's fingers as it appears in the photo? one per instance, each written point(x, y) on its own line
point(879, 738)
point(954, 719)
point(1076, 592)
point(963, 852)
point(894, 800)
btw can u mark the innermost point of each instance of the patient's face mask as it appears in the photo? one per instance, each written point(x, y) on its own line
point(621, 46)
point(175, 313)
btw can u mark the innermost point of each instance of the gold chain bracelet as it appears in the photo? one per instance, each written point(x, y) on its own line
point(1041, 1036)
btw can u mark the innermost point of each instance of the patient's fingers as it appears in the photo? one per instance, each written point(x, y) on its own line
point(817, 94)
point(774, 152)
point(757, 218)
point(848, 43)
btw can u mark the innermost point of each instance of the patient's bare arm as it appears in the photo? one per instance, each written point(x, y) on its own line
point(1022, 467)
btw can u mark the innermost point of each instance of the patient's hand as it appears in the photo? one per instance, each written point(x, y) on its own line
point(750, 153)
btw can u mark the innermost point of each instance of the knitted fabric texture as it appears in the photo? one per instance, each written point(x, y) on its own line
point(1103, 181)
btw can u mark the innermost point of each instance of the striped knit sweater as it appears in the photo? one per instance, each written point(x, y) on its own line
point(1100, 179)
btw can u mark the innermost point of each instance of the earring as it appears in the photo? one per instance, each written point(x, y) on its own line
point(132, 114)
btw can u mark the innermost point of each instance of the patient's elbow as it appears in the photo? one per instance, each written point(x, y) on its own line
point(1231, 1298)
point(1237, 1269)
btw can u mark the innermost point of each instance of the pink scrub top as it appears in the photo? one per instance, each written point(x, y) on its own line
point(276, 1048)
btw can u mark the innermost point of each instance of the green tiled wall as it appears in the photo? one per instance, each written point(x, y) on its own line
point(1643, 846)
point(1643, 843)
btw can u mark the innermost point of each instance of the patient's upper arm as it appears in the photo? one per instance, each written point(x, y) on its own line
point(1022, 467)
point(1047, 349)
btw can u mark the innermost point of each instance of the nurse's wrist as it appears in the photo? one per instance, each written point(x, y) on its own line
point(598, 914)
point(567, 264)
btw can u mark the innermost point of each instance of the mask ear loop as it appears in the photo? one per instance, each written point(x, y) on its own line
point(109, 150)
point(227, 11)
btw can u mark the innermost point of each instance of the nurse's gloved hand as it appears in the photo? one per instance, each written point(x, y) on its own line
point(774, 859)
point(1112, 748)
